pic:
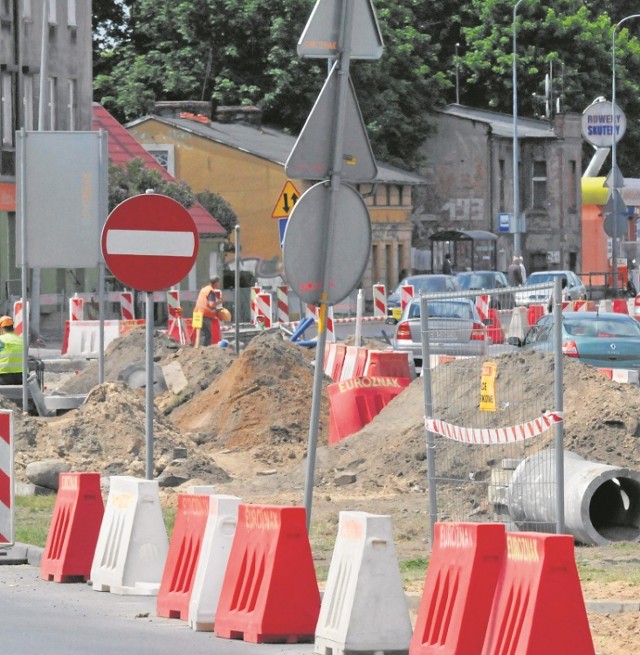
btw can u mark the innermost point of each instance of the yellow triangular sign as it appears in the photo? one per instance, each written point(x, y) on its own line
point(286, 200)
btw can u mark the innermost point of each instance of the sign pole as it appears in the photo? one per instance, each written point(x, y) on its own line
point(149, 385)
point(342, 64)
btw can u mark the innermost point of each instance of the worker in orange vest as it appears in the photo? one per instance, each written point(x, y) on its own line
point(209, 305)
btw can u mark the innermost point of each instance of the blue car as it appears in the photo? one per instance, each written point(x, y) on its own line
point(601, 339)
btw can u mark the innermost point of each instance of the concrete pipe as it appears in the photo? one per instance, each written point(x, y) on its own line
point(601, 502)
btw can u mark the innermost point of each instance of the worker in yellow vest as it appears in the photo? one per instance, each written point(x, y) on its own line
point(10, 353)
point(209, 306)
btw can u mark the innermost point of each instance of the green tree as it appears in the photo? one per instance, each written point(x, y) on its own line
point(217, 206)
point(564, 32)
point(244, 52)
point(134, 178)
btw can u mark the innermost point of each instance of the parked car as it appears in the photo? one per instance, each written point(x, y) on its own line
point(427, 283)
point(455, 328)
point(601, 339)
point(574, 290)
point(488, 281)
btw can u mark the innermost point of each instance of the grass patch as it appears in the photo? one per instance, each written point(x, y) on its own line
point(32, 518)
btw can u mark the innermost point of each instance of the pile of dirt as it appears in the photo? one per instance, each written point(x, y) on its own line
point(258, 403)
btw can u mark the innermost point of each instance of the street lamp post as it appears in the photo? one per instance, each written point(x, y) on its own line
point(516, 181)
point(614, 163)
point(457, 76)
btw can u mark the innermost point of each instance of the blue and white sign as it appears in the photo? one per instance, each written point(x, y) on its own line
point(504, 223)
point(282, 226)
point(601, 124)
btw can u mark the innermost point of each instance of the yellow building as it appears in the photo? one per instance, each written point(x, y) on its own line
point(244, 163)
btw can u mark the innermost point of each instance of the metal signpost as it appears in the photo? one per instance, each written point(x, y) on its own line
point(149, 242)
point(328, 237)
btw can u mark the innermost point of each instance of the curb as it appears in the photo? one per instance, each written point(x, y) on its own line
point(21, 554)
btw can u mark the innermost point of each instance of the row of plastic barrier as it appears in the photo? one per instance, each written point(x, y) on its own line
point(365, 381)
point(247, 572)
point(82, 338)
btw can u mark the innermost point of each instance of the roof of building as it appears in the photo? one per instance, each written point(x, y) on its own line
point(123, 148)
point(267, 143)
point(502, 124)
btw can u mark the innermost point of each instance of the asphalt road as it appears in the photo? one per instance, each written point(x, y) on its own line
point(38, 617)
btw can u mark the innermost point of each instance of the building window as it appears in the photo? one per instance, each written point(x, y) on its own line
point(53, 87)
point(164, 154)
point(72, 21)
point(53, 12)
point(73, 104)
point(7, 109)
point(539, 185)
point(27, 102)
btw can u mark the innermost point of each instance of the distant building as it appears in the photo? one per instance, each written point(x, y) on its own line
point(236, 157)
point(61, 95)
point(470, 171)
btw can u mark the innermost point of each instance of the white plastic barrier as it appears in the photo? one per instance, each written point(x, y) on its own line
point(212, 563)
point(364, 607)
point(132, 545)
point(519, 323)
point(83, 337)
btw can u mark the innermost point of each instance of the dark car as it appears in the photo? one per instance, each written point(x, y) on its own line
point(427, 283)
point(488, 281)
point(602, 339)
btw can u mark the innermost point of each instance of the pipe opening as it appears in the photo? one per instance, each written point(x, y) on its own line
point(614, 509)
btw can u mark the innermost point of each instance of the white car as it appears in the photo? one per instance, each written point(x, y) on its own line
point(574, 290)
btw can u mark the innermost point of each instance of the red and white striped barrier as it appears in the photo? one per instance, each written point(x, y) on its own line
point(379, 300)
point(76, 308)
point(18, 317)
point(173, 303)
point(127, 312)
point(263, 309)
point(253, 302)
point(510, 434)
point(82, 338)
point(482, 305)
point(313, 311)
point(6, 478)
point(282, 304)
point(623, 375)
point(406, 295)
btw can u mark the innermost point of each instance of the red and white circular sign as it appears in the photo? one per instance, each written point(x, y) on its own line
point(150, 242)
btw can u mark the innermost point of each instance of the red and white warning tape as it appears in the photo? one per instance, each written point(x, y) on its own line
point(494, 436)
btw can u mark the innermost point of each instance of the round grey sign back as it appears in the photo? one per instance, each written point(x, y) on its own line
point(308, 237)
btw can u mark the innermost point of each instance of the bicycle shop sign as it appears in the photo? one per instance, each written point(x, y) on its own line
point(600, 124)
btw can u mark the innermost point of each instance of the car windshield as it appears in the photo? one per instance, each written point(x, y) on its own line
point(444, 309)
point(542, 278)
point(601, 328)
point(476, 280)
point(424, 283)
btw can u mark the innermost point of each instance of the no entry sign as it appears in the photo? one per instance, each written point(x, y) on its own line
point(150, 242)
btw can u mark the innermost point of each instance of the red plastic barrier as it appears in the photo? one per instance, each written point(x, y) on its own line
point(355, 361)
point(494, 329)
point(458, 591)
point(75, 526)
point(538, 607)
point(620, 306)
point(356, 402)
point(334, 354)
point(173, 330)
point(270, 591)
point(182, 559)
point(387, 363)
point(534, 313)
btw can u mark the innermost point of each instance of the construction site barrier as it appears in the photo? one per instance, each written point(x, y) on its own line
point(379, 300)
point(534, 313)
point(212, 564)
point(462, 576)
point(76, 308)
point(519, 323)
point(389, 363)
point(132, 544)
point(623, 375)
point(620, 306)
point(75, 526)
point(174, 594)
point(364, 608)
point(538, 605)
point(357, 401)
point(599, 500)
point(7, 509)
point(82, 338)
point(355, 361)
point(270, 591)
point(494, 328)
